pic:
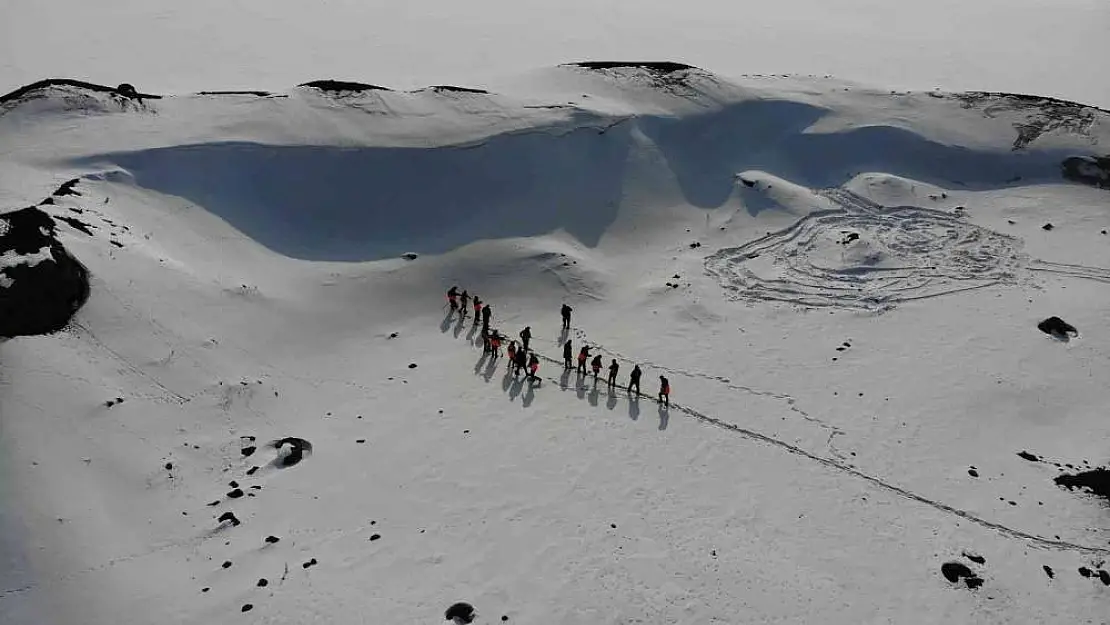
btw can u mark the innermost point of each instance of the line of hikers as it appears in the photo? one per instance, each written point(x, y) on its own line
point(523, 359)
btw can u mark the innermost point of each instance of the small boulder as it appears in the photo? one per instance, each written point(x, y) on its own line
point(1057, 327)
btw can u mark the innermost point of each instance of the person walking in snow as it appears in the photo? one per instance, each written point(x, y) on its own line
point(487, 312)
point(452, 294)
point(477, 310)
point(512, 354)
point(485, 342)
point(565, 311)
point(521, 361)
point(634, 379)
point(464, 300)
point(525, 337)
point(495, 344)
point(568, 356)
point(664, 391)
point(613, 368)
point(595, 364)
point(583, 356)
point(533, 367)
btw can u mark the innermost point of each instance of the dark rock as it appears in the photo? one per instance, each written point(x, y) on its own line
point(450, 88)
point(1084, 571)
point(311, 562)
point(1048, 571)
point(1091, 170)
point(205, 589)
point(342, 85)
point(247, 451)
point(247, 607)
point(412, 365)
point(461, 612)
point(1028, 456)
point(1047, 226)
point(375, 536)
point(67, 188)
point(360, 441)
point(43, 290)
point(169, 466)
point(1057, 327)
point(973, 473)
point(298, 449)
point(233, 484)
point(1104, 577)
point(229, 516)
point(272, 539)
point(226, 564)
point(660, 67)
point(252, 470)
point(975, 558)
point(76, 224)
point(261, 94)
point(409, 256)
point(955, 571)
point(235, 494)
point(262, 583)
point(1095, 481)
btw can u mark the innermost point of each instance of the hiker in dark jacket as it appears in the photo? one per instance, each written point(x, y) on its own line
point(533, 367)
point(487, 312)
point(568, 356)
point(464, 299)
point(452, 294)
point(525, 337)
point(565, 311)
point(477, 310)
point(634, 379)
point(595, 364)
point(521, 361)
point(613, 368)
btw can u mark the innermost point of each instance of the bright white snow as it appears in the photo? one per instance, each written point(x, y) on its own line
point(829, 406)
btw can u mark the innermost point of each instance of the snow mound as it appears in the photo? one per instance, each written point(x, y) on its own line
point(769, 191)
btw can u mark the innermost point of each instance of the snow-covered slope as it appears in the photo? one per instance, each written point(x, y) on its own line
point(843, 286)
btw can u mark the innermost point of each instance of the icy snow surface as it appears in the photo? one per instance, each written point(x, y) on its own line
point(843, 286)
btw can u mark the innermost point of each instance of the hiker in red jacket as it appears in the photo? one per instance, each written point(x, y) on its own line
point(583, 356)
point(664, 391)
point(452, 294)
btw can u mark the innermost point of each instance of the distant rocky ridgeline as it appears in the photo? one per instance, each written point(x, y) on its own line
point(41, 284)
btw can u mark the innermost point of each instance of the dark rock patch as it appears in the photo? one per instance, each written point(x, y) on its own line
point(291, 451)
point(1095, 482)
point(1084, 571)
point(1090, 170)
point(452, 88)
point(374, 537)
point(310, 563)
point(977, 559)
point(973, 473)
point(233, 484)
point(336, 86)
point(226, 564)
point(955, 571)
point(235, 494)
point(247, 451)
point(77, 224)
point(260, 94)
point(229, 517)
point(247, 607)
point(271, 540)
point(1104, 577)
point(1058, 328)
point(67, 188)
point(262, 583)
point(461, 612)
point(1048, 571)
point(1028, 456)
point(1047, 226)
point(41, 293)
point(658, 67)
point(252, 470)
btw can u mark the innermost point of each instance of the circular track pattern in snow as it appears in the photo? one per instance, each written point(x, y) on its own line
point(867, 257)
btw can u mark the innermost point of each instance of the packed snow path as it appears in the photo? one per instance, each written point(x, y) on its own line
point(488, 366)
